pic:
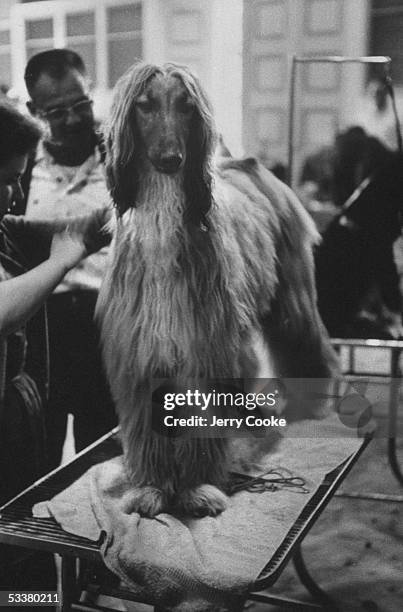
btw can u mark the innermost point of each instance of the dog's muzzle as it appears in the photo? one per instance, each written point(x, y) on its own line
point(169, 164)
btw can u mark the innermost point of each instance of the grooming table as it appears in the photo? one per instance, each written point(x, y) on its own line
point(82, 567)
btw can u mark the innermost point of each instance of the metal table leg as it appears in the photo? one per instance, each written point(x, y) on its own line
point(393, 409)
point(69, 583)
point(309, 583)
point(393, 461)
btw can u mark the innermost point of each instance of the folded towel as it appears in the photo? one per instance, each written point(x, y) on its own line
point(187, 564)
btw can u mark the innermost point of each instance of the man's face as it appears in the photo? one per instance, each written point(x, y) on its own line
point(66, 107)
point(10, 186)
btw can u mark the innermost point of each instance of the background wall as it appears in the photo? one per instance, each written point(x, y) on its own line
point(241, 49)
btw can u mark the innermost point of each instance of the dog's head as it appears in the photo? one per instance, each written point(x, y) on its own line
point(161, 119)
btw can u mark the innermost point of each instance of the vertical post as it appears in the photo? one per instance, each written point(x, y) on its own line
point(291, 113)
point(101, 48)
point(226, 57)
point(59, 29)
point(154, 31)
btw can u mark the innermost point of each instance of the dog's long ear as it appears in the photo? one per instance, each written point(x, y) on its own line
point(122, 180)
point(201, 146)
point(121, 164)
point(121, 137)
point(198, 175)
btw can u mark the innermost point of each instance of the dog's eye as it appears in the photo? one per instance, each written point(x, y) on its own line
point(145, 105)
point(185, 106)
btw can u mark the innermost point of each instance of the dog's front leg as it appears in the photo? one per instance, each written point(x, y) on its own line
point(205, 500)
point(147, 501)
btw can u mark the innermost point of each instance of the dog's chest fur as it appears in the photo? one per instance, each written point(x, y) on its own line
point(177, 301)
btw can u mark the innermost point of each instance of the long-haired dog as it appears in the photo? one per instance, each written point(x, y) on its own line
point(211, 277)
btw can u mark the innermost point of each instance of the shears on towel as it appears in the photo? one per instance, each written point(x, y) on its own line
point(272, 480)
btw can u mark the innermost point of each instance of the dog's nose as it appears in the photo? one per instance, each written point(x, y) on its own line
point(169, 164)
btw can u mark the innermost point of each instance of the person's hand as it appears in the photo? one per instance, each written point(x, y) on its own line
point(93, 229)
point(67, 248)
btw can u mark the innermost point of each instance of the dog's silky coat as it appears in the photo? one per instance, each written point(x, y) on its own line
point(211, 277)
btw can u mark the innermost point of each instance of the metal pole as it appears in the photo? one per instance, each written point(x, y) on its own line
point(291, 111)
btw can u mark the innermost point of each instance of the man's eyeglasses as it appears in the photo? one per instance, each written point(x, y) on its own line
point(62, 112)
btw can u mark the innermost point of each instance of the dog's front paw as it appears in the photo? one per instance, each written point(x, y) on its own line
point(147, 501)
point(205, 500)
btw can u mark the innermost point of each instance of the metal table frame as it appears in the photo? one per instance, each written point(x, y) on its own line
point(81, 558)
point(394, 377)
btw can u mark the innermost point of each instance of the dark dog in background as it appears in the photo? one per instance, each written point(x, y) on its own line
point(356, 274)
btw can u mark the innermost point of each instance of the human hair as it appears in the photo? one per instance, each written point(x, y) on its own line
point(55, 63)
point(19, 134)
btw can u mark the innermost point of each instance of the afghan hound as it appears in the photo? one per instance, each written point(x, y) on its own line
point(211, 277)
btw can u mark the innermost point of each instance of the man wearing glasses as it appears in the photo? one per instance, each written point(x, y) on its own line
point(67, 179)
